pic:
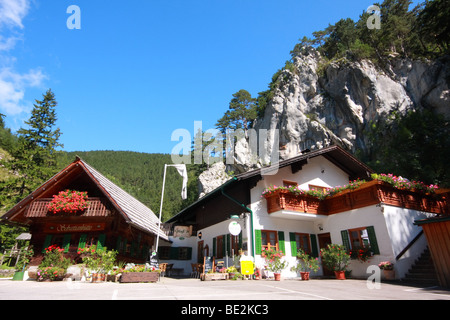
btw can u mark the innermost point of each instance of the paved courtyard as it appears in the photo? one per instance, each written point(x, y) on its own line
point(194, 289)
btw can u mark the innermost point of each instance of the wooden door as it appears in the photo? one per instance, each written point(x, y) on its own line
point(324, 240)
point(200, 252)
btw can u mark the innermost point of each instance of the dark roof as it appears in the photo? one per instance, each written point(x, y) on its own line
point(335, 154)
point(133, 211)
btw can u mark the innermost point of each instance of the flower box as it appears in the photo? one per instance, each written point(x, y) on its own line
point(213, 276)
point(134, 277)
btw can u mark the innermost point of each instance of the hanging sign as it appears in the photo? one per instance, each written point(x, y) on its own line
point(234, 227)
point(69, 227)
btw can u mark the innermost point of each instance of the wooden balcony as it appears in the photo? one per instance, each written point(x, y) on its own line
point(369, 193)
point(98, 207)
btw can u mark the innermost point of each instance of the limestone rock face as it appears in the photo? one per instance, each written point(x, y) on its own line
point(317, 104)
point(212, 178)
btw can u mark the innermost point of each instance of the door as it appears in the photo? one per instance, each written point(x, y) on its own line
point(324, 240)
point(200, 252)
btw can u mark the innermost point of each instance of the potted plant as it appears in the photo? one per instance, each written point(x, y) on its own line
point(69, 201)
point(336, 258)
point(54, 265)
point(388, 270)
point(231, 271)
point(139, 273)
point(274, 262)
point(99, 263)
point(24, 260)
point(305, 264)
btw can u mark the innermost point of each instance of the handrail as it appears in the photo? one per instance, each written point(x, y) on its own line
point(409, 245)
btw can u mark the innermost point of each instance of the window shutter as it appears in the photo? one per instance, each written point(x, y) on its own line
point(293, 244)
point(224, 245)
point(214, 246)
point(240, 241)
point(345, 240)
point(258, 243)
point(66, 242)
point(228, 253)
point(82, 242)
point(373, 240)
point(189, 253)
point(118, 242)
point(101, 242)
point(173, 255)
point(47, 241)
point(281, 245)
point(314, 248)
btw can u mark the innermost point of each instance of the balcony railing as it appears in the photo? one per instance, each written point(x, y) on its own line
point(369, 193)
point(98, 207)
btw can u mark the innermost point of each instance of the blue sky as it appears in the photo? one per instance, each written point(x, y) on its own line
point(137, 70)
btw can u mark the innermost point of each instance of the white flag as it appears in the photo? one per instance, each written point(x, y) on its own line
point(181, 168)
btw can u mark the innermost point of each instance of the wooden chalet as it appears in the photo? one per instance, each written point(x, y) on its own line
point(114, 219)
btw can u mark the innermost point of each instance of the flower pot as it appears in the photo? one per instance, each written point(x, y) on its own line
point(18, 275)
point(304, 275)
point(98, 277)
point(277, 276)
point(340, 275)
point(389, 274)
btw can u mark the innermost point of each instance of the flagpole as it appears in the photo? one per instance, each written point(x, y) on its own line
point(160, 208)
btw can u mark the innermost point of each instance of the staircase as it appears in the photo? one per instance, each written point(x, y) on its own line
point(422, 272)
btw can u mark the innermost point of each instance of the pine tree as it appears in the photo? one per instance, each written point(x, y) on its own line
point(34, 156)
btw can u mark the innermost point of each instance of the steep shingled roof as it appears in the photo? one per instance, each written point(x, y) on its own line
point(133, 211)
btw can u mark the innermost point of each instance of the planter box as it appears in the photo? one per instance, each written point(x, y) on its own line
point(213, 276)
point(133, 277)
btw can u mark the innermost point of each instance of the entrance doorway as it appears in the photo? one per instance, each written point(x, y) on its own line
point(324, 240)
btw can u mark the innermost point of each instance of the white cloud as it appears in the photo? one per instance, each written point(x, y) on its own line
point(12, 89)
point(13, 84)
point(12, 12)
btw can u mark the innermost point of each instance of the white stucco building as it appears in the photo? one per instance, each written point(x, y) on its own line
point(374, 216)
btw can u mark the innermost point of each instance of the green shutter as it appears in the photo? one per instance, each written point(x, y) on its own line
point(373, 240)
point(293, 244)
point(82, 242)
point(228, 245)
point(66, 242)
point(214, 246)
point(101, 242)
point(189, 253)
point(345, 240)
point(224, 245)
point(314, 248)
point(173, 254)
point(258, 243)
point(47, 241)
point(118, 242)
point(240, 242)
point(281, 245)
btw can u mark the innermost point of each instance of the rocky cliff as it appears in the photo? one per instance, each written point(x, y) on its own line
point(317, 103)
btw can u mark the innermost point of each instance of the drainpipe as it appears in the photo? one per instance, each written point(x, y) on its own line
point(243, 206)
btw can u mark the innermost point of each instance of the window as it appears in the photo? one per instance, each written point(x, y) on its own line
point(303, 242)
point(220, 246)
point(269, 240)
point(287, 183)
point(235, 244)
point(360, 238)
point(317, 188)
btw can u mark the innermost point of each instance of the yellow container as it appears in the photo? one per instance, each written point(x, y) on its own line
point(247, 267)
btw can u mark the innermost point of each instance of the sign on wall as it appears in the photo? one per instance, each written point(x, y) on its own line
point(234, 227)
point(69, 227)
point(182, 232)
